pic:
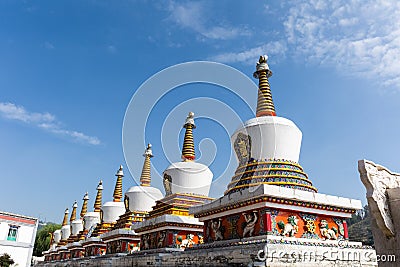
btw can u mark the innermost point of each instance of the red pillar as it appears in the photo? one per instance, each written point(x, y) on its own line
point(346, 233)
point(267, 223)
point(170, 239)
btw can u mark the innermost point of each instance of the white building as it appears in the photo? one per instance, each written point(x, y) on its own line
point(17, 237)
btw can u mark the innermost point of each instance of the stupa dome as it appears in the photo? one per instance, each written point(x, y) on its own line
point(112, 210)
point(188, 176)
point(65, 232)
point(76, 226)
point(90, 219)
point(57, 236)
point(143, 198)
point(270, 137)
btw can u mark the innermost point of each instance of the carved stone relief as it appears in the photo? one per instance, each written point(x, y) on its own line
point(377, 179)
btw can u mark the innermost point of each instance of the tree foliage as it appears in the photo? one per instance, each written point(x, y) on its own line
point(5, 260)
point(43, 237)
point(360, 227)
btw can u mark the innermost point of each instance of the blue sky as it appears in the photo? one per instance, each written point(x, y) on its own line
point(68, 70)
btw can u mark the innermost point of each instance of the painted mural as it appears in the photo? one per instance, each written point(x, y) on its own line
point(274, 222)
point(172, 239)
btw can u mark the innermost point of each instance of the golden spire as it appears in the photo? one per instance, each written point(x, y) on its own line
point(188, 153)
point(84, 205)
point(65, 221)
point(118, 185)
point(97, 202)
point(265, 105)
point(73, 213)
point(145, 178)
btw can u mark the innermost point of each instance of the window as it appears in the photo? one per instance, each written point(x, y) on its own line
point(12, 233)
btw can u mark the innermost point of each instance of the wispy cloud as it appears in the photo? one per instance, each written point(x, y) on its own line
point(192, 16)
point(360, 37)
point(356, 37)
point(112, 49)
point(48, 45)
point(275, 48)
point(45, 121)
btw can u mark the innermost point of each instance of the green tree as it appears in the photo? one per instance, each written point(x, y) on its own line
point(43, 237)
point(5, 260)
point(366, 211)
point(360, 227)
point(355, 218)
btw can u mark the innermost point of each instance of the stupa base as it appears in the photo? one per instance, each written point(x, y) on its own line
point(170, 231)
point(121, 241)
point(76, 250)
point(279, 211)
point(260, 251)
point(94, 247)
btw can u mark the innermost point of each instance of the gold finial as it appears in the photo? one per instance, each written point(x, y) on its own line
point(118, 185)
point(65, 221)
point(73, 213)
point(84, 205)
point(265, 105)
point(145, 178)
point(97, 202)
point(188, 153)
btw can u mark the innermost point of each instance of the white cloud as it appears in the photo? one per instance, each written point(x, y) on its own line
point(250, 56)
point(192, 16)
point(48, 45)
point(45, 121)
point(356, 37)
point(112, 49)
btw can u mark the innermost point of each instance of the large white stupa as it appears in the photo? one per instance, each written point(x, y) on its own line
point(268, 147)
point(188, 176)
point(271, 202)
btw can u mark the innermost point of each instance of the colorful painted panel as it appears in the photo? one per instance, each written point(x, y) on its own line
point(276, 222)
point(170, 238)
point(95, 251)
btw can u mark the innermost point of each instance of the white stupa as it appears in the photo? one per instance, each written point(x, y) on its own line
point(92, 218)
point(139, 200)
point(188, 176)
point(77, 224)
point(65, 228)
point(143, 197)
point(113, 209)
point(73, 222)
point(186, 184)
point(267, 146)
point(56, 237)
